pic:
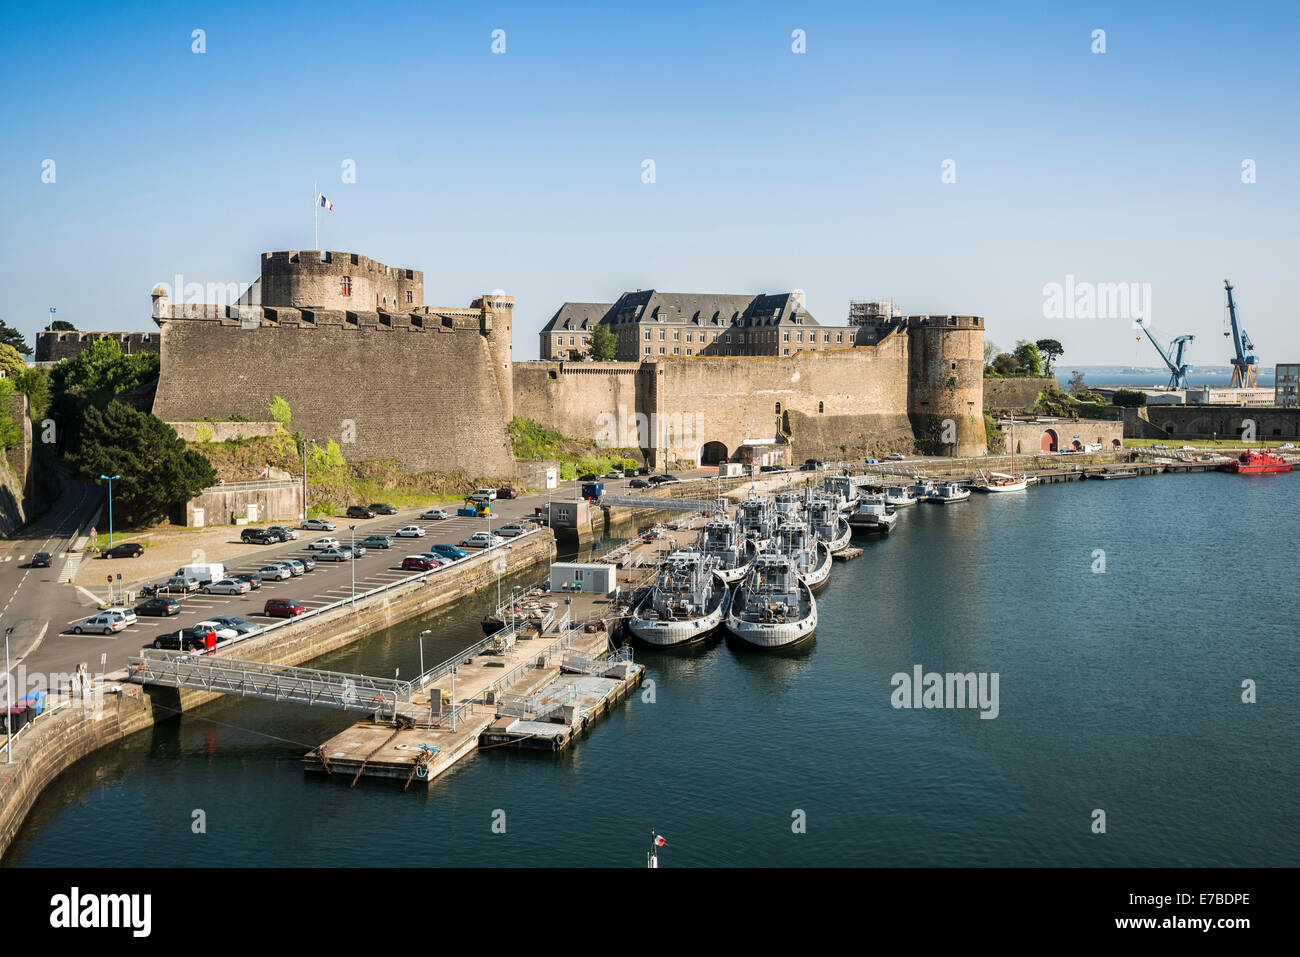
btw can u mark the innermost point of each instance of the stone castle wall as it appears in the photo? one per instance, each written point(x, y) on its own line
point(418, 389)
point(817, 403)
point(946, 383)
point(53, 346)
point(1015, 395)
point(311, 278)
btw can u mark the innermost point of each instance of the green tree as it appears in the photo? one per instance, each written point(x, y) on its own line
point(1076, 383)
point(604, 344)
point(91, 379)
point(280, 412)
point(1028, 361)
point(35, 384)
point(1004, 364)
point(11, 432)
point(1051, 350)
point(60, 325)
point(12, 337)
point(158, 471)
point(1129, 398)
point(11, 361)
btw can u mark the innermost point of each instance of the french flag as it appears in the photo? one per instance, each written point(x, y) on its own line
point(326, 203)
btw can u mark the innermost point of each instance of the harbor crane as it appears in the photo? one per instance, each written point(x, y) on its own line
point(1173, 357)
point(1245, 364)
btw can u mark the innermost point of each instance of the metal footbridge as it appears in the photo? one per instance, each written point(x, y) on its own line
point(257, 679)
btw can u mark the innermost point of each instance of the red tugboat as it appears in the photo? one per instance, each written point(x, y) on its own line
point(1254, 462)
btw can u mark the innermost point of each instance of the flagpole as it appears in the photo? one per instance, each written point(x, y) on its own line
point(315, 205)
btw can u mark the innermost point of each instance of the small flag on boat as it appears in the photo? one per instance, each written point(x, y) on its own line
point(326, 203)
point(659, 841)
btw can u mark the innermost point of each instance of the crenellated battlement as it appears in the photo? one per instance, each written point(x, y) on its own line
point(53, 346)
point(945, 322)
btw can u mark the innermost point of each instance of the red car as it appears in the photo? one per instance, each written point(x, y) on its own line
point(415, 564)
point(283, 608)
point(507, 492)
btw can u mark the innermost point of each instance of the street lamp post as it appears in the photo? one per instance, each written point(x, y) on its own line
point(305, 442)
point(352, 556)
point(110, 506)
point(422, 634)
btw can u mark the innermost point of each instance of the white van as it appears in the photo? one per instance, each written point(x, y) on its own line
point(204, 572)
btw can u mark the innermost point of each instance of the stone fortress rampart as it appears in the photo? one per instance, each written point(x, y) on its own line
point(424, 385)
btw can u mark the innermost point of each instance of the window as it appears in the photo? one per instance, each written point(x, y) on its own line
point(570, 340)
point(346, 283)
point(785, 352)
point(688, 337)
point(410, 297)
point(561, 514)
point(778, 408)
point(661, 350)
point(798, 336)
point(826, 336)
point(647, 335)
point(647, 350)
point(785, 336)
point(728, 338)
point(821, 407)
point(839, 337)
point(677, 350)
point(677, 336)
point(690, 352)
point(740, 337)
point(661, 337)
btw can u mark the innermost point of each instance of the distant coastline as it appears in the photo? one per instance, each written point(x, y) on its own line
point(1117, 375)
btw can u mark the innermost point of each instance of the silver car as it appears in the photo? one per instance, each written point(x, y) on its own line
point(275, 572)
point(227, 586)
point(334, 555)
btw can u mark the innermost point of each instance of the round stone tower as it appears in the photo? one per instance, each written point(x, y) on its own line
point(338, 280)
point(498, 312)
point(945, 384)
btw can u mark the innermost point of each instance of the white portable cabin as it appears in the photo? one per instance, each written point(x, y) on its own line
point(587, 577)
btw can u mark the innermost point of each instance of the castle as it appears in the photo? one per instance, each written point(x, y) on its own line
point(349, 343)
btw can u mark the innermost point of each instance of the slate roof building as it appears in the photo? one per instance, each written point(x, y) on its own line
point(649, 323)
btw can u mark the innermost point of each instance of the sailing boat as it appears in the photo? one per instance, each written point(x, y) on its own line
point(1001, 482)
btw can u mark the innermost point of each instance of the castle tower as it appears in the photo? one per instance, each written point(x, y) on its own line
point(945, 383)
point(338, 280)
point(497, 326)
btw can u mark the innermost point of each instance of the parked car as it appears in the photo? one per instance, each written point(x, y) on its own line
point(615, 474)
point(662, 479)
point(643, 470)
point(296, 568)
point(323, 543)
point(40, 560)
point(227, 586)
point(589, 477)
point(159, 607)
point(318, 525)
point(410, 531)
point(448, 551)
point(483, 495)
point(104, 623)
point(181, 583)
point(438, 560)
point(383, 508)
point(482, 540)
point(418, 563)
point(187, 639)
point(376, 541)
point(895, 457)
point(241, 626)
point(128, 614)
point(253, 578)
point(507, 492)
point(290, 534)
point(283, 608)
point(223, 632)
point(125, 550)
point(360, 511)
point(357, 550)
point(308, 563)
point(769, 468)
point(335, 555)
point(259, 536)
point(275, 573)
point(512, 530)
point(638, 483)
point(434, 515)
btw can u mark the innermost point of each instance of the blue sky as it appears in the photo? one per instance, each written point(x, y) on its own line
point(522, 171)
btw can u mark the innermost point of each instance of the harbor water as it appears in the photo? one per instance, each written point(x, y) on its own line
point(1121, 619)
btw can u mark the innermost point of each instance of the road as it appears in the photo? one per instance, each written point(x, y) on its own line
point(43, 611)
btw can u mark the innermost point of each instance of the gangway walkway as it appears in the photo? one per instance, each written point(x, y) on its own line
point(257, 679)
point(706, 505)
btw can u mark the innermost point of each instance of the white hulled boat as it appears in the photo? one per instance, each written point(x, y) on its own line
point(899, 496)
point(873, 516)
point(773, 607)
point(688, 601)
point(756, 521)
point(723, 541)
point(830, 526)
point(948, 493)
point(811, 557)
point(1001, 482)
point(922, 488)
